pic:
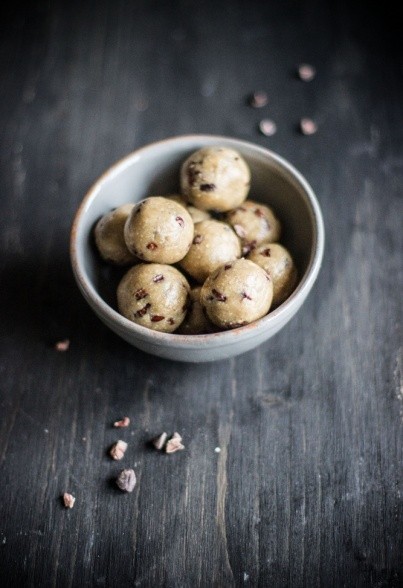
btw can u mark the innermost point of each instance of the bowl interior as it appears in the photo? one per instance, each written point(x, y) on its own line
point(154, 170)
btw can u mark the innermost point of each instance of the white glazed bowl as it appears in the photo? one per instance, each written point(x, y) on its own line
point(154, 170)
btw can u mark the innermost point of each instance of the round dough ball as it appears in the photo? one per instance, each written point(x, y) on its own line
point(254, 223)
point(159, 230)
point(237, 294)
point(215, 178)
point(214, 244)
point(109, 237)
point(196, 321)
point(278, 263)
point(154, 295)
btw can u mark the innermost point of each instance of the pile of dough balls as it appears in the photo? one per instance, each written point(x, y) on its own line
point(204, 260)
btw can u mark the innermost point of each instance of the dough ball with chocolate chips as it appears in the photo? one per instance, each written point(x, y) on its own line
point(254, 223)
point(109, 237)
point(278, 263)
point(155, 296)
point(214, 243)
point(196, 321)
point(159, 230)
point(215, 178)
point(237, 294)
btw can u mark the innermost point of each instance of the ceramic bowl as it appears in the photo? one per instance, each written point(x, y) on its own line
point(154, 170)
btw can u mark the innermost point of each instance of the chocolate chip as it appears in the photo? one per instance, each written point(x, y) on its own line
point(152, 246)
point(140, 294)
point(180, 221)
point(207, 187)
point(158, 278)
point(142, 311)
point(156, 318)
point(218, 296)
point(198, 239)
point(126, 480)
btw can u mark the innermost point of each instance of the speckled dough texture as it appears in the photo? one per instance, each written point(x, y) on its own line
point(155, 296)
point(109, 237)
point(254, 223)
point(159, 230)
point(237, 294)
point(278, 263)
point(215, 178)
point(196, 321)
point(196, 214)
point(214, 243)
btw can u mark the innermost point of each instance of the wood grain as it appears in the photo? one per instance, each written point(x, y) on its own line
point(306, 489)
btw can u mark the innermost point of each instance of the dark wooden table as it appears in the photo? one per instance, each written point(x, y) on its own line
point(307, 488)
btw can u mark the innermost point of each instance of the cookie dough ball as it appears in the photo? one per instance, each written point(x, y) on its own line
point(254, 223)
point(159, 230)
point(214, 244)
point(237, 294)
point(155, 296)
point(215, 178)
point(196, 214)
point(109, 237)
point(196, 321)
point(278, 263)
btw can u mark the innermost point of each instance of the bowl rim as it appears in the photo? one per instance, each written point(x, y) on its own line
point(276, 316)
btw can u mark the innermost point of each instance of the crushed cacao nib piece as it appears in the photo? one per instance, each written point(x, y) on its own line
point(174, 444)
point(140, 294)
point(156, 318)
point(159, 442)
point(306, 72)
point(152, 246)
point(68, 500)
point(228, 266)
point(124, 422)
point(218, 295)
point(62, 345)
point(266, 252)
point(197, 239)
point(246, 295)
point(158, 278)
point(126, 480)
point(171, 321)
point(258, 99)
point(118, 450)
point(308, 126)
point(207, 187)
point(180, 221)
point(142, 311)
point(259, 212)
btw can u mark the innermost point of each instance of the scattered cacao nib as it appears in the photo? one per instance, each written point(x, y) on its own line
point(198, 239)
point(68, 500)
point(228, 266)
point(142, 311)
point(158, 278)
point(306, 72)
point(207, 187)
point(140, 294)
point(240, 231)
point(126, 480)
point(308, 126)
point(266, 252)
point(174, 444)
point(267, 127)
point(124, 422)
point(152, 246)
point(259, 212)
point(159, 442)
point(62, 345)
point(258, 99)
point(180, 221)
point(218, 295)
point(171, 321)
point(118, 450)
point(246, 295)
point(156, 318)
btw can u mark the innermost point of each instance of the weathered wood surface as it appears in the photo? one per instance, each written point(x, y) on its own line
point(307, 488)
